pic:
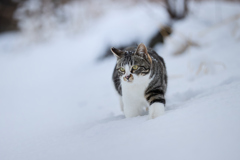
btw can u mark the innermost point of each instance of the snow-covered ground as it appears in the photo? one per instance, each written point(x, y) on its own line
point(58, 102)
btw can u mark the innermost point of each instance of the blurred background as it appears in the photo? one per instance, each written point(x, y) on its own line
point(43, 20)
point(57, 100)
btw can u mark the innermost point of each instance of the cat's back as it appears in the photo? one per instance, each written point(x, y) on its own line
point(156, 57)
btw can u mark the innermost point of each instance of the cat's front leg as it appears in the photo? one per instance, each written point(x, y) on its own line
point(156, 109)
point(121, 103)
point(130, 111)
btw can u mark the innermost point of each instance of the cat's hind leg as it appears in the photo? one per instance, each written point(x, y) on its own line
point(156, 100)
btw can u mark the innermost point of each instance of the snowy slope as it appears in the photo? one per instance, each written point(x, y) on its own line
point(58, 102)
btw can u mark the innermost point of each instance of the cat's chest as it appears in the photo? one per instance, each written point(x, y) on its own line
point(134, 92)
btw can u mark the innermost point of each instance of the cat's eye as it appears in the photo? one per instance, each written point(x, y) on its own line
point(122, 69)
point(135, 67)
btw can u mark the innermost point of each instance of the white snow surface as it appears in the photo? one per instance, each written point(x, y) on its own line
point(58, 102)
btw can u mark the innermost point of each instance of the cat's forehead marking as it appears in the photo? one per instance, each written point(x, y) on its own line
point(129, 52)
point(127, 59)
point(130, 58)
point(127, 69)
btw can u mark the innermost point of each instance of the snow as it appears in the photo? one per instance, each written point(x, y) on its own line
point(58, 102)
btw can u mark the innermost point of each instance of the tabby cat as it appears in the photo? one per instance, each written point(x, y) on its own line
point(140, 78)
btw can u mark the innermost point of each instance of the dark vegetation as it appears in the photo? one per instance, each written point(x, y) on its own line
point(160, 35)
point(8, 9)
point(7, 20)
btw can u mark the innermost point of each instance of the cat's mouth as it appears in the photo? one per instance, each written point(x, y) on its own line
point(128, 78)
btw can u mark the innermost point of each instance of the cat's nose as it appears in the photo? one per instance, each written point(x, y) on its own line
point(127, 77)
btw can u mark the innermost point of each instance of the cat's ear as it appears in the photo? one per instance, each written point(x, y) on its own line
point(142, 51)
point(117, 52)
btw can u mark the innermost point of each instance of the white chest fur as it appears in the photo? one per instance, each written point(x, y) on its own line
point(133, 99)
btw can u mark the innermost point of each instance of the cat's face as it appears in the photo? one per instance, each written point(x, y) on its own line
point(131, 67)
point(132, 64)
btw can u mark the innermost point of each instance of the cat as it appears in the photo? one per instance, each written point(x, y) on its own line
point(140, 78)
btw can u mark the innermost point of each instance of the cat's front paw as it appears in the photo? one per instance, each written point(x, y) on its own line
point(155, 110)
